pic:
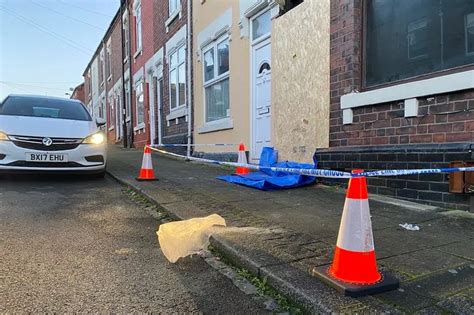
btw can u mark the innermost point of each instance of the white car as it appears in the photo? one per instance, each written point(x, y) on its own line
point(49, 134)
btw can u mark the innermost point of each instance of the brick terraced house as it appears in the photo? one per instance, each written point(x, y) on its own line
point(402, 94)
point(159, 71)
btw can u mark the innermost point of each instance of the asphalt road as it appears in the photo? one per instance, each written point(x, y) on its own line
point(79, 245)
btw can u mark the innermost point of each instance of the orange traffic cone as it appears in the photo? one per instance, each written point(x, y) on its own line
point(354, 267)
point(146, 172)
point(242, 160)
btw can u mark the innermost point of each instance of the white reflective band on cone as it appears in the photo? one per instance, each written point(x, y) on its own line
point(355, 232)
point(242, 157)
point(147, 162)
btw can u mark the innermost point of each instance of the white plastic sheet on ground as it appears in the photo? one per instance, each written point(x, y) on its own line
point(410, 227)
point(184, 238)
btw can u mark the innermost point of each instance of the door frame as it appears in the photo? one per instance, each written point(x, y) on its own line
point(151, 110)
point(261, 41)
point(118, 117)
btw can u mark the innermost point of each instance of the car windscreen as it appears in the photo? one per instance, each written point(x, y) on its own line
point(44, 107)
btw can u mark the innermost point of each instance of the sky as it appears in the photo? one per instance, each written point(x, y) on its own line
point(45, 45)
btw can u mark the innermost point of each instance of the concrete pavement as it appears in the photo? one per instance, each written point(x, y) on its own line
point(284, 234)
point(70, 245)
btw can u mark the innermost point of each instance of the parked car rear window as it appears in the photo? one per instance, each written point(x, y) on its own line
point(44, 107)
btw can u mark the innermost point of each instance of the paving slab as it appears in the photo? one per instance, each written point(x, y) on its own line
point(422, 262)
point(459, 304)
point(445, 283)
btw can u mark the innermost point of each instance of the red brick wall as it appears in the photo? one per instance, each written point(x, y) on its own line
point(78, 93)
point(116, 45)
point(175, 133)
point(101, 68)
point(380, 137)
point(142, 137)
point(385, 123)
point(116, 74)
point(87, 85)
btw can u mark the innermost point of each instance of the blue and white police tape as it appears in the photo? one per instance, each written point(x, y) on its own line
point(173, 145)
point(414, 171)
point(308, 172)
point(325, 173)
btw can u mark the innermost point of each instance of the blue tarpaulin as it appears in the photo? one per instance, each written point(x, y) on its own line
point(267, 179)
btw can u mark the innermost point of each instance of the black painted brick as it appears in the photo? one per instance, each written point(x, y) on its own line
point(397, 166)
point(416, 165)
point(430, 157)
point(418, 185)
point(408, 157)
point(454, 197)
point(368, 157)
point(345, 165)
point(386, 191)
point(352, 157)
point(428, 195)
point(372, 190)
point(432, 177)
point(462, 156)
point(442, 187)
point(393, 183)
point(361, 165)
point(407, 193)
point(376, 181)
point(387, 157)
point(377, 165)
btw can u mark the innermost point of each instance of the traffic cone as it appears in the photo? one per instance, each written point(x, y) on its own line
point(354, 267)
point(242, 160)
point(146, 172)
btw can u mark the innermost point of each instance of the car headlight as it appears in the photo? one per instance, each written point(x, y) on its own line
point(3, 136)
point(96, 138)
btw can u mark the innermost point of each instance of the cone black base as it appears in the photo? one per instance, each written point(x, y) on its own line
point(145, 179)
point(388, 283)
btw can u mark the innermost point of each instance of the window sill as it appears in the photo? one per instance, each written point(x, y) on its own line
point(217, 125)
point(172, 17)
point(139, 127)
point(438, 85)
point(111, 128)
point(177, 113)
point(137, 53)
point(109, 78)
point(125, 60)
point(406, 91)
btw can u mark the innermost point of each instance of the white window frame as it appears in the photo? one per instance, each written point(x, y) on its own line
point(411, 29)
point(217, 78)
point(466, 26)
point(111, 113)
point(141, 84)
point(262, 37)
point(176, 68)
point(102, 109)
point(108, 60)
point(126, 30)
point(172, 12)
point(102, 63)
point(128, 107)
point(138, 29)
point(89, 83)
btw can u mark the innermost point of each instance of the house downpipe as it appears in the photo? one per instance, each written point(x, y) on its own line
point(124, 96)
point(189, 74)
point(130, 67)
point(160, 113)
